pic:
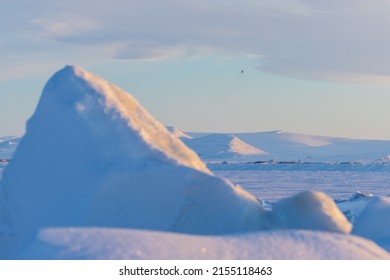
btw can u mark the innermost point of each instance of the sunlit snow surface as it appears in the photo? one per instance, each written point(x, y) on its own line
point(106, 243)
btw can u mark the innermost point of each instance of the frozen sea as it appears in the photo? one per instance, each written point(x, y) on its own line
point(271, 184)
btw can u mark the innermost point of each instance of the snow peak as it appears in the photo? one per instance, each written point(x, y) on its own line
point(149, 271)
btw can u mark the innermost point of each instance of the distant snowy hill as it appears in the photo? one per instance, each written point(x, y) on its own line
point(178, 132)
point(273, 145)
point(286, 146)
point(222, 146)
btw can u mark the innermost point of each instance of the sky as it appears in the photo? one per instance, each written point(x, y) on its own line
point(310, 66)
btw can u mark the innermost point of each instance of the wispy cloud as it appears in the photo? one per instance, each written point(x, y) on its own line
point(143, 50)
point(65, 26)
point(333, 40)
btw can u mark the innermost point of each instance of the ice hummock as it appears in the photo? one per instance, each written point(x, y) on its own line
point(93, 156)
point(309, 210)
point(374, 221)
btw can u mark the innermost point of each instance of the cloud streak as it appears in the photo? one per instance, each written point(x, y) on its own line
point(331, 40)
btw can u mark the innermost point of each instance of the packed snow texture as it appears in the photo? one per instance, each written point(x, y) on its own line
point(92, 156)
point(374, 221)
point(309, 210)
point(105, 243)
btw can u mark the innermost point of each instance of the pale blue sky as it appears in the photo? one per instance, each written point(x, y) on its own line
point(316, 67)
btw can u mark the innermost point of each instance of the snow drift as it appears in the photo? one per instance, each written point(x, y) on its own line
point(115, 244)
point(309, 210)
point(374, 221)
point(93, 156)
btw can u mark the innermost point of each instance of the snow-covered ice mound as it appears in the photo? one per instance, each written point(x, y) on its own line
point(93, 156)
point(374, 221)
point(383, 160)
point(103, 243)
point(309, 210)
point(355, 205)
